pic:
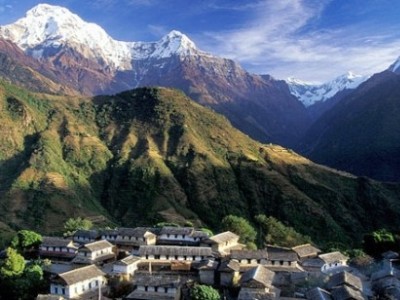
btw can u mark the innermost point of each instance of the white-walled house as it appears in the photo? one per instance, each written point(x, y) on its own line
point(96, 252)
point(333, 260)
point(126, 266)
point(57, 248)
point(250, 257)
point(131, 239)
point(174, 253)
point(223, 243)
point(188, 236)
point(78, 282)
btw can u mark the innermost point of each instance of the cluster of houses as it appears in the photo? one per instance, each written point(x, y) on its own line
point(163, 263)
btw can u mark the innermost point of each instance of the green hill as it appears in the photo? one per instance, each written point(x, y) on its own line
point(152, 154)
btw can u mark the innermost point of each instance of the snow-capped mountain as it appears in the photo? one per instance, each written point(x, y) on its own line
point(310, 94)
point(395, 67)
point(46, 28)
point(84, 57)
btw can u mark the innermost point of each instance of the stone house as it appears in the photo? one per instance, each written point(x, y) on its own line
point(148, 286)
point(78, 282)
point(131, 239)
point(57, 248)
point(95, 253)
point(257, 283)
point(126, 267)
point(187, 236)
point(109, 235)
point(306, 251)
point(207, 270)
point(333, 260)
point(282, 259)
point(171, 253)
point(250, 257)
point(223, 243)
point(350, 280)
point(86, 236)
point(229, 271)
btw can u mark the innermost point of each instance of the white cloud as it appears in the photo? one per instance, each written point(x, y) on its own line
point(279, 40)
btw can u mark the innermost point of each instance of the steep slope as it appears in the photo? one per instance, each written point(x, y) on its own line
point(90, 61)
point(23, 70)
point(361, 133)
point(153, 154)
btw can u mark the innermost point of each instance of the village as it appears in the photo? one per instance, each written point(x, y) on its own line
point(166, 263)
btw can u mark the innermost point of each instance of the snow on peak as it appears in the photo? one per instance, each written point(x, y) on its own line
point(174, 42)
point(395, 67)
point(309, 93)
point(48, 26)
point(51, 26)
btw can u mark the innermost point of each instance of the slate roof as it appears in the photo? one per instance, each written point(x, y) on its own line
point(78, 275)
point(135, 232)
point(49, 241)
point(249, 254)
point(318, 294)
point(158, 280)
point(222, 237)
point(346, 293)
point(95, 246)
point(333, 257)
point(345, 278)
point(128, 260)
point(91, 234)
point(176, 230)
point(229, 266)
point(205, 264)
point(259, 274)
point(175, 250)
point(280, 253)
point(306, 250)
point(110, 232)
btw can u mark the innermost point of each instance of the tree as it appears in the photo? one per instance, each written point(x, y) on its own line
point(26, 240)
point(241, 227)
point(275, 232)
point(74, 224)
point(204, 292)
point(13, 265)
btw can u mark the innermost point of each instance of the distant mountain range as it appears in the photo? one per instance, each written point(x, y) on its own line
point(53, 50)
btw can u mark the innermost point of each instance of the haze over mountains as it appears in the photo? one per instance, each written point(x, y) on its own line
point(53, 50)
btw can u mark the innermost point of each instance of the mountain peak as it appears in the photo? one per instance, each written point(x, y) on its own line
point(309, 93)
point(395, 67)
point(172, 43)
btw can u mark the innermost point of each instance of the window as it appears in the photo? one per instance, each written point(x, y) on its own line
point(56, 290)
point(281, 262)
point(90, 285)
point(146, 288)
point(63, 291)
point(165, 290)
point(97, 283)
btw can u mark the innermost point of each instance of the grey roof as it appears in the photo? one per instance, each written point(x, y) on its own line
point(259, 294)
point(280, 253)
point(312, 263)
point(200, 234)
point(128, 260)
point(176, 230)
point(345, 278)
point(249, 254)
point(390, 255)
point(229, 266)
point(159, 280)
point(175, 250)
point(346, 293)
point(259, 274)
point(306, 250)
point(222, 237)
point(95, 246)
point(111, 232)
point(49, 241)
point(91, 234)
point(205, 264)
point(135, 232)
point(318, 294)
point(332, 257)
point(78, 275)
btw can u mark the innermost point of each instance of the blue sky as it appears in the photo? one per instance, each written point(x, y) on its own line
point(314, 40)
